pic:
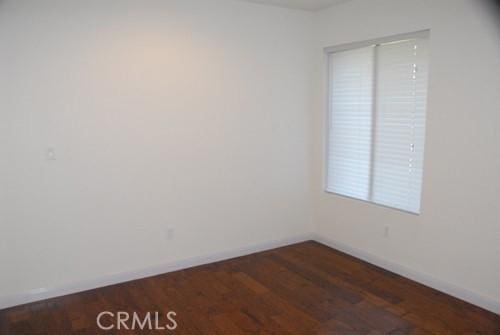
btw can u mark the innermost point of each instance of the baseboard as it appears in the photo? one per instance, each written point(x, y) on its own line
point(423, 278)
point(111, 279)
point(420, 277)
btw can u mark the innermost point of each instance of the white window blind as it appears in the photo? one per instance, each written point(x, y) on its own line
point(378, 96)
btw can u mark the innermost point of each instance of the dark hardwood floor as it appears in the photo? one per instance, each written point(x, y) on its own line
point(305, 288)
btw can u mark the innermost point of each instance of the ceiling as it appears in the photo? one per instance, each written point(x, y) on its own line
point(312, 5)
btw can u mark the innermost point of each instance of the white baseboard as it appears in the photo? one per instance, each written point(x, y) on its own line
point(423, 278)
point(420, 277)
point(48, 293)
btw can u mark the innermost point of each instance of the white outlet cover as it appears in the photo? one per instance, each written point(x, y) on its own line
point(51, 154)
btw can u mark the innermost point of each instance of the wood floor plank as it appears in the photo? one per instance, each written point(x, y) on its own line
point(302, 289)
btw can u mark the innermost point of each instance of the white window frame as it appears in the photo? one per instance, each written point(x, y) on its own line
point(349, 46)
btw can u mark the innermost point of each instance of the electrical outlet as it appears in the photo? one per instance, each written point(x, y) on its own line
point(169, 233)
point(50, 154)
point(386, 232)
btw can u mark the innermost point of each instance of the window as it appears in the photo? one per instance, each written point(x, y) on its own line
point(376, 130)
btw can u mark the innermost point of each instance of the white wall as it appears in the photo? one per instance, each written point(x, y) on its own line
point(456, 238)
point(196, 114)
point(184, 113)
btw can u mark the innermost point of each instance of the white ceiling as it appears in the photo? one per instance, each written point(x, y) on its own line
point(312, 5)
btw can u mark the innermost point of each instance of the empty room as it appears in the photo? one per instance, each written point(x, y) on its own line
point(286, 167)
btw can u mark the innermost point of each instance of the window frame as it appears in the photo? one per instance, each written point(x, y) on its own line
point(349, 46)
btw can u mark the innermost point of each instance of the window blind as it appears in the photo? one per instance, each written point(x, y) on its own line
point(376, 132)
